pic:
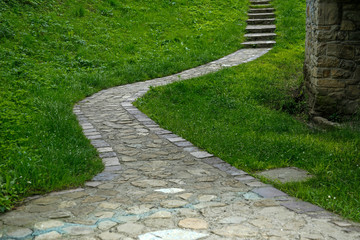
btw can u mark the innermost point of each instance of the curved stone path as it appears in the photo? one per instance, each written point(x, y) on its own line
point(156, 185)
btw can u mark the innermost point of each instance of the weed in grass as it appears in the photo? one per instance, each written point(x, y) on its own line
point(79, 11)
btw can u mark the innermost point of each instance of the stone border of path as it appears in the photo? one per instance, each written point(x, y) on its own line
point(111, 162)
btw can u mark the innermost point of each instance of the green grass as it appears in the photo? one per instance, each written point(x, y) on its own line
point(54, 53)
point(247, 116)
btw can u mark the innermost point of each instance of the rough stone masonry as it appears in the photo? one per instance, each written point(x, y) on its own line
point(332, 61)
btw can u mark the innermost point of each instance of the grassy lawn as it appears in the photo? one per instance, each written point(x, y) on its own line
point(54, 53)
point(247, 116)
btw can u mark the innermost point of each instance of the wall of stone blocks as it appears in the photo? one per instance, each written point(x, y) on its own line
point(332, 57)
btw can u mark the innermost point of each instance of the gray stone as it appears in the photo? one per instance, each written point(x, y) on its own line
point(92, 184)
point(301, 207)
point(105, 149)
point(19, 232)
point(128, 219)
point(107, 155)
point(159, 223)
point(133, 229)
point(237, 231)
point(109, 205)
point(183, 144)
point(105, 176)
point(256, 184)
point(48, 224)
point(19, 219)
point(232, 220)
point(61, 214)
point(105, 225)
point(139, 209)
point(209, 205)
point(244, 178)
point(46, 201)
point(201, 154)
point(104, 214)
point(207, 198)
point(78, 230)
point(161, 214)
point(285, 175)
point(114, 161)
point(48, 236)
point(93, 199)
point(193, 223)
point(99, 143)
point(111, 236)
point(173, 203)
point(269, 192)
point(149, 183)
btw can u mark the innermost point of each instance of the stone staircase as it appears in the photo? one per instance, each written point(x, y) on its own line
point(261, 25)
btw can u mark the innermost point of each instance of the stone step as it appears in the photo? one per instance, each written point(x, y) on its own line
point(260, 36)
point(258, 44)
point(259, 2)
point(261, 10)
point(264, 21)
point(262, 6)
point(260, 29)
point(261, 15)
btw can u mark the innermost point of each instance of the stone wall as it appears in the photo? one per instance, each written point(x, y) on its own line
point(332, 61)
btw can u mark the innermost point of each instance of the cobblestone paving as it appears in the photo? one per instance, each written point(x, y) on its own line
point(157, 185)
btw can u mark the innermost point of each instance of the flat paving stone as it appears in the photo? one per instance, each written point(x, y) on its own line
point(78, 230)
point(48, 224)
point(285, 175)
point(149, 183)
point(193, 223)
point(105, 225)
point(173, 203)
point(132, 229)
point(161, 214)
point(269, 192)
point(49, 236)
point(111, 236)
point(301, 206)
point(19, 232)
point(232, 220)
point(201, 154)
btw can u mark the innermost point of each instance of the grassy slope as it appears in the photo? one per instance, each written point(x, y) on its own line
point(242, 115)
point(55, 52)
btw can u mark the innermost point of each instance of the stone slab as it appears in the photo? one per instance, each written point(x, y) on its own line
point(301, 206)
point(284, 175)
point(269, 192)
